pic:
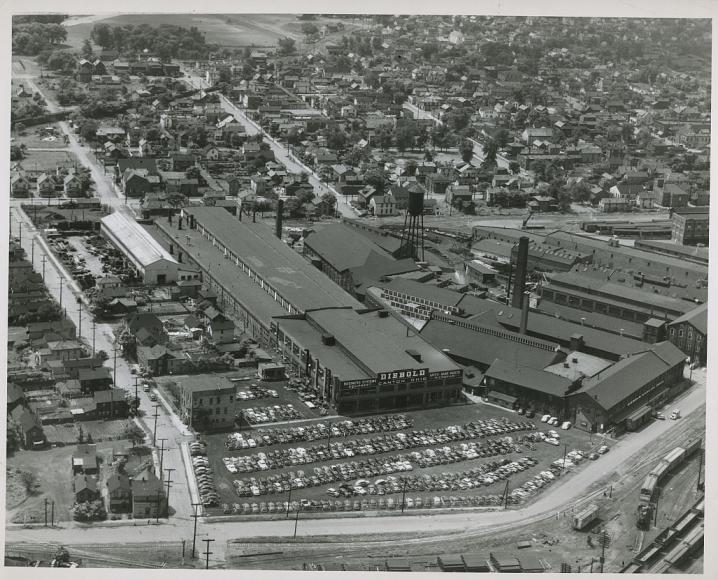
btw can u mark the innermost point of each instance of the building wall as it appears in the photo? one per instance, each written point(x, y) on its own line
point(690, 340)
point(209, 410)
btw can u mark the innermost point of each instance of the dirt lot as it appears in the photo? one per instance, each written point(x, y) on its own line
point(427, 419)
point(54, 475)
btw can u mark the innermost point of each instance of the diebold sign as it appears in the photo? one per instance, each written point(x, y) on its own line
point(404, 376)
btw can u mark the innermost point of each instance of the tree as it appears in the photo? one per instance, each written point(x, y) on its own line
point(337, 139)
point(376, 179)
point(102, 35)
point(62, 556)
point(514, 166)
point(87, 48)
point(467, 150)
point(309, 29)
point(176, 199)
point(102, 355)
point(287, 46)
point(88, 130)
point(405, 137)
point(29, 482)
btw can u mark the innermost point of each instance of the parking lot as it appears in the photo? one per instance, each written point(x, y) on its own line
point(449, 457)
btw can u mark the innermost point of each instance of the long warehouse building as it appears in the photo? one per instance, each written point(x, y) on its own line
point(145, 254)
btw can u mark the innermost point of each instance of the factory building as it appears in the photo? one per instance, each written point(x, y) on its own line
point(365, 362)
point(144, 254)
point(690, 333)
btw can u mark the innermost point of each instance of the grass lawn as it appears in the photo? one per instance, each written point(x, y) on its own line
point(34, 138)
point(48, 160)
point(424, 419)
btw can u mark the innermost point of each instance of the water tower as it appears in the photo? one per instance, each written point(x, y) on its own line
point(412, 236)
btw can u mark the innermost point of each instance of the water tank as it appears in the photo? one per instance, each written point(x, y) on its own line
point(416, 202)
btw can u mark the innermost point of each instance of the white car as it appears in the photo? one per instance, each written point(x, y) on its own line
point(602, 449)
point(566, 425)
point(545, 418)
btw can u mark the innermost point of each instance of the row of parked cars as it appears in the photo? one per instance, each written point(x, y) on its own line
point(318, 431)
point(384, 443)
point(368, 504)
point(285, 412)
point(257, 392)
point(203, 474)
point(532, 486)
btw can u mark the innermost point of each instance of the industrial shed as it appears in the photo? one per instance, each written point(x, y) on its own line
point(154, 264)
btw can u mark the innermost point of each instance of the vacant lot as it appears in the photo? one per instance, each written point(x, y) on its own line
point(48, 160)
point(39, 138)
point(53, 469)
point(426, 419)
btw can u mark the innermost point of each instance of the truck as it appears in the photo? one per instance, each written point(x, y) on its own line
point(585, 517)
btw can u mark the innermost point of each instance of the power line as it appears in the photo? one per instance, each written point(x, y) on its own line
point(195, 515)
point(154, 431)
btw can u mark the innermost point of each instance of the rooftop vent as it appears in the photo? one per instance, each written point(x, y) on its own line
point(328, 339)
point(416, 355)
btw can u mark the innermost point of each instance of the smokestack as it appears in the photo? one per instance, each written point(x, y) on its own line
point(525, 313)
point(280, 211)
point(522, 259)
point(179, 223)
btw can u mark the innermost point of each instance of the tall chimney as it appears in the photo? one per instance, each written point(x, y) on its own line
point(522, 260)
point(525, 313)
point(280, 211)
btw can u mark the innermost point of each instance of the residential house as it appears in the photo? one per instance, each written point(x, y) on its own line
point(19, 185)
point(28, 427)
point(159, 360)
point(147, 328)
point(383, 205)
point(94, 379)
point(119, 493)
point(221, 330)
point(85, 488)
point(148, 497)
point(111, 404)
point(45, 186)
point(85, 460)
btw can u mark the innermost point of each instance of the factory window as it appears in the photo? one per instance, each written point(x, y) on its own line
point(680, 333)
point(673, 331)
point(690, 335)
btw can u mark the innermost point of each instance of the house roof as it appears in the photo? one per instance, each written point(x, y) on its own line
point(146, 485)
point(109, 396)
point(83, 482)
point(118, 482)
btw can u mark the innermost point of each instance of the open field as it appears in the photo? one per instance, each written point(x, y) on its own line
point(37, 137)
point(224, 29)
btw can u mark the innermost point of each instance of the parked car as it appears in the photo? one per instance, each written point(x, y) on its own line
point(676, 414)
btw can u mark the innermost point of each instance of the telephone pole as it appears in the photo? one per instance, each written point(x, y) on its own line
point(169, 471)
point(52, 514)
point(46, 500)
point(296, 521)
point(94, 326)
point(79, 318)
point(32, 251)
point(195, 515)
point(207, 552)
point(154, 431)
point(403, 496)
point(61, 282)
point(114, 357)
point(137, 397)
point(162, 453)
point(44, 259)
point(157, 511)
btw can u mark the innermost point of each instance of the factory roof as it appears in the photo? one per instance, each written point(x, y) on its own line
point(577, 365)
point(550, 327)
point(379, 343)
point(242, 288)
point(483, 348)
point(596, 320)
point(341, 245)
point(286, 271)
point(134, 239)
point(614, 385)
point(527, 377)
point(419, 290)
point(660, 246)
point(623, 294)
point(308, 336)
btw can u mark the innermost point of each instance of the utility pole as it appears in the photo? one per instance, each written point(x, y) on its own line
point(296, 521)
point(52, 514)
point(157, 511)
point(79, 318)
point(137, 397)
point(565, 449)
point(169, 471)
point(44, 259)
point(403, 495)
point(506, 495)
point(32, 251)
point(162, 453)
point(700, 466)
point(46, 500)
point(289, 499)
point(207, 552)
point(61, 282)
point(195, 515)
point(114, 361)
point(94, 326)
point(604, 542)
point(154, 431)
point(329, 437)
